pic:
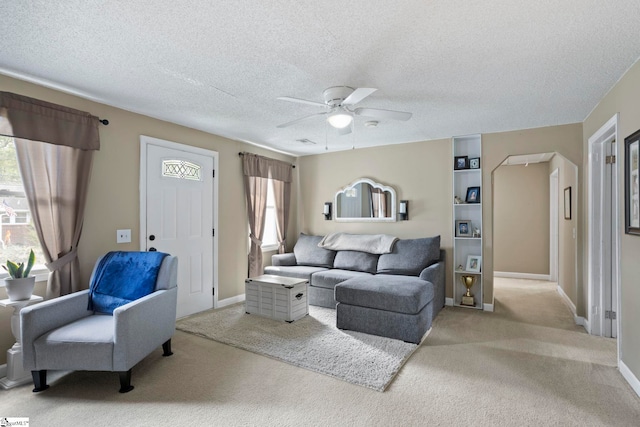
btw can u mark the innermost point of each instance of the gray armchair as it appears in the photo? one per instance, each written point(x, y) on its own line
point(63, 334)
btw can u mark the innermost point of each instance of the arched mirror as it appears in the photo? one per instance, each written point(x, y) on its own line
point(365, 201)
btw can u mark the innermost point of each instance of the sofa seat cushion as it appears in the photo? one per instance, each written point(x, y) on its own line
point(356, 261)
point(299, 271)
point(400, 294)
point(330, 278)
point(308, 252)
point(410, 256)
point(66, 347)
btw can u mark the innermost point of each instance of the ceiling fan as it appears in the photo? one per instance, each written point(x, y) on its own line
point(338, 102)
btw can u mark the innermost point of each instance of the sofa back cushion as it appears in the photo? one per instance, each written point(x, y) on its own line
point(410, 256)
point(356, 261)
point(308, 252)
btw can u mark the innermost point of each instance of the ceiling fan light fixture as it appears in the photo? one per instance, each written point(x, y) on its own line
point(340, 118)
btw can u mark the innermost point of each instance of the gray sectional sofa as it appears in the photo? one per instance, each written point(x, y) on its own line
point(395, 294)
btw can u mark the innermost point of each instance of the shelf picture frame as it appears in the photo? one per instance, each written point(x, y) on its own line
point(474, 163)
point(474, 263)
point(463, 228)
point(632, 184)
point(473, 195)
point(567, 203)
point(460, 162)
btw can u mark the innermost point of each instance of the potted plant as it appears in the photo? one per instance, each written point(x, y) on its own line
point(20, 285)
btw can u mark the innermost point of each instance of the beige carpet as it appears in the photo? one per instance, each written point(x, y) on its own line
point(476, 368)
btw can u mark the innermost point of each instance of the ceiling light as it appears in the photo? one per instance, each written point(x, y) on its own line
point(339, 118)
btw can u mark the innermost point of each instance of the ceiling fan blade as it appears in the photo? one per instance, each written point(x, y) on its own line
point(345, 130)
point(293, 122)
point(383, 114)
point(358, 95)
point(302, 101)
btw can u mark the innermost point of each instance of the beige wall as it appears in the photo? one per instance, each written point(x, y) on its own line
point(419, 172)
point(521, 219)
point(623, 99)
point(113, 201)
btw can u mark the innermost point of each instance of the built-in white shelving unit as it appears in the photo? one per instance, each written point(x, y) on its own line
point(467, 219)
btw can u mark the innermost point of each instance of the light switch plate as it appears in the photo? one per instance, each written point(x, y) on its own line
point(123, 236)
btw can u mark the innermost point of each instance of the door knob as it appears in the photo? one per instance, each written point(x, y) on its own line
point(152, 249)
point(152, 237)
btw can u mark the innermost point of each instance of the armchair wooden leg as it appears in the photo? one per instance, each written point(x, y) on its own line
point(125, 381)
point(166, 347)
point(39, 380)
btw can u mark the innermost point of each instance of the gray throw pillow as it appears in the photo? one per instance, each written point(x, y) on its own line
point(356, 261)
point(308, 252)
point(410, 256)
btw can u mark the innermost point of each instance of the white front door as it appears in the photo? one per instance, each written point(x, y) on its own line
point(179, 217)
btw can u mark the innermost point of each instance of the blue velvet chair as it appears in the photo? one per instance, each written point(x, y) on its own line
point(63, 334)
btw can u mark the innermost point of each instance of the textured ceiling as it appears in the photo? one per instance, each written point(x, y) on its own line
point(460, 67)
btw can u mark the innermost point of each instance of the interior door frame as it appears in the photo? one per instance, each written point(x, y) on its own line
point(605, 134)
point(554, 215)
point(148, 140)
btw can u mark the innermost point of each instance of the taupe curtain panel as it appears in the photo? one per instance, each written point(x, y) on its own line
point(43, 121)
point(257, 171)
point(55, 148)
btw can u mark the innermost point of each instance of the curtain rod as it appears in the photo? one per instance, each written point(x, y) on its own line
point(242, 154)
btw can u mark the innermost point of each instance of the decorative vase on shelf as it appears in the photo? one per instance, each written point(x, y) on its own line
point(20, 285)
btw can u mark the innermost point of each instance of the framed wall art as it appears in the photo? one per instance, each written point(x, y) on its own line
point(567, 203)
point(631, 187)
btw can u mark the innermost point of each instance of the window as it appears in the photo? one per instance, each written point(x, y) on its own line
point(17, 233)
point(270, 238)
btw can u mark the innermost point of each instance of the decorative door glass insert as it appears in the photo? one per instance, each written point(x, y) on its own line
point(181, 169)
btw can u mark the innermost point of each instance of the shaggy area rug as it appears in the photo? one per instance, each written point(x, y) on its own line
point(312, 342)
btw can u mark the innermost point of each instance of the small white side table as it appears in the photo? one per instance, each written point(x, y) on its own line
point(16, 375)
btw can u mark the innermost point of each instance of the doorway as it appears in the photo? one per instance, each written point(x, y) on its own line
point(178, 212)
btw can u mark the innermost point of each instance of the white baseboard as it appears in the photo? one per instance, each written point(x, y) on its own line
point(628, 375)
point(448, 301)
point(531, 276)
point(586, 325)
point(567, 300)
point(228, 301)
point(581, 321)
point(487, 307)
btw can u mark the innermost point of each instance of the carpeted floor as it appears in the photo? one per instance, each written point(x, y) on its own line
point(312, 342)
point(474, 369)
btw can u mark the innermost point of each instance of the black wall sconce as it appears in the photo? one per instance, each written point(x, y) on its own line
point(403, 210)
point(327, 210)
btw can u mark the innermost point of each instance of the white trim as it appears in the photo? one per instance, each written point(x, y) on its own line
point(587, 326)
point(144, 142)
point(3, 370)
point(567, 300)
point(233, 300)
point(554, 226)
point(630, 377)
point(512, 275)
point(595, 298)
point(448, 301)
point(487, 307)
